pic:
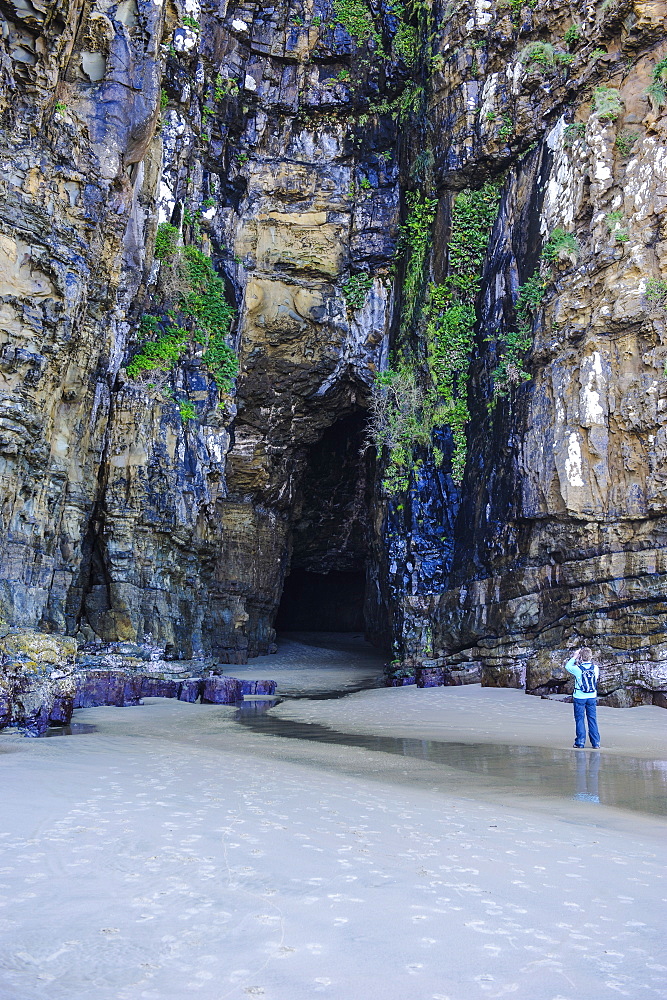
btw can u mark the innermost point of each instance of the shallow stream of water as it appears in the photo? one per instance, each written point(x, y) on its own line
point(585, 775)
point(318, 667)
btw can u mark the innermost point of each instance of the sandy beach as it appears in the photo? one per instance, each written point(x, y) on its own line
point(171, 850)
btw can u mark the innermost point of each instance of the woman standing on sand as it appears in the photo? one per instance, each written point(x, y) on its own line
point(585, 697)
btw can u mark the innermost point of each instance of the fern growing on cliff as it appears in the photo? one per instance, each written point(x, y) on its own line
point(357, 19)
point(356, 289)
point(194, 313)
point(510, 371)
point(161, 354)
point(166, 241)
point(405, 44)
point(657, 90)
point(561, 245)
point(451, 315)
point(412, 399)
point(398, 422)
point(414, 241)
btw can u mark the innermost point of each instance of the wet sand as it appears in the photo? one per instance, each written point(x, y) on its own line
point(175, 851)
point(483, 715)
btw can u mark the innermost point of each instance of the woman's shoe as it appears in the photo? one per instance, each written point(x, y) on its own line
point(577, 746)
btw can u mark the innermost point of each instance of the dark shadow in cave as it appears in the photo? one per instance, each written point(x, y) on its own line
point(322, 602)
point(326, 586)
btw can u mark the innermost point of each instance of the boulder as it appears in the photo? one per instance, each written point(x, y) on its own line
point(511, 675)
point(431, 677)
point(190, 689)
point(61, 711)
point(36, 680)
point(5, 701)
point(258, 687)
point(159, 687)
point(221, 691)
point(107, 687)
point(470, 674)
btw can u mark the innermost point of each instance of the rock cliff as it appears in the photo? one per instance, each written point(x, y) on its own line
point(559, 536)
point(468, 197)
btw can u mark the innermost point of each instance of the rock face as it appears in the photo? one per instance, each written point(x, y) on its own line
point(124, 521)
point(559, 540)
point(284, 143)
point(78, 107)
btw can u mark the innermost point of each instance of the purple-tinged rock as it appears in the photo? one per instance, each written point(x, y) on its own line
point(97, 687)
point(431, 677)
point(258, 687)
point(159, 687)
point(61, 712)
point(132, 691)
point(190, 689)
point(107, 687)
point(221, 690)
point(5, 702)
point(471, 674)
point(34, 724)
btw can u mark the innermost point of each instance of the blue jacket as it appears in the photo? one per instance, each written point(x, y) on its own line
point(575, 670)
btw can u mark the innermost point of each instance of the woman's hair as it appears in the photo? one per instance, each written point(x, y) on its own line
point(585, 655)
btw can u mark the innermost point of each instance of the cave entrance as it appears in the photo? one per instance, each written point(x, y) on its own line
point(322, 602)
point(325, 590)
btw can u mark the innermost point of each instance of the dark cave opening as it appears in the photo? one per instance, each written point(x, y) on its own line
point(322, 602)
point(325, 590)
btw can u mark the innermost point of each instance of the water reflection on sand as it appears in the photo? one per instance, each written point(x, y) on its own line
point(586, 775)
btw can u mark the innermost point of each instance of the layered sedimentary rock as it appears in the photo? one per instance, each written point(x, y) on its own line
point(124, 521)
point(79, 99)
point(282, 144)
point(560, 537)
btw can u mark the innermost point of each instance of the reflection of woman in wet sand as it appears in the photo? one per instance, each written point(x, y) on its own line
point(586, 786)
point(585, 674)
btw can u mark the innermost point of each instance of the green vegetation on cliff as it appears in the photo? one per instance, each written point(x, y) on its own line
point(510, 371)
point(355, 16)
point(656, 292)
point(607, 104)
point(414, 397)
point(399, 422)
point(451, 314)
point(356, 289)
point(166, 241)
point(545, 55)
point(658, 88)
point(193, 312)
point(410, 22)
point(414, 241)
point(561, 245)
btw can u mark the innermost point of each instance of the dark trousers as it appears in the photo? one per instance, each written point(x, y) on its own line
point(585, 711)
